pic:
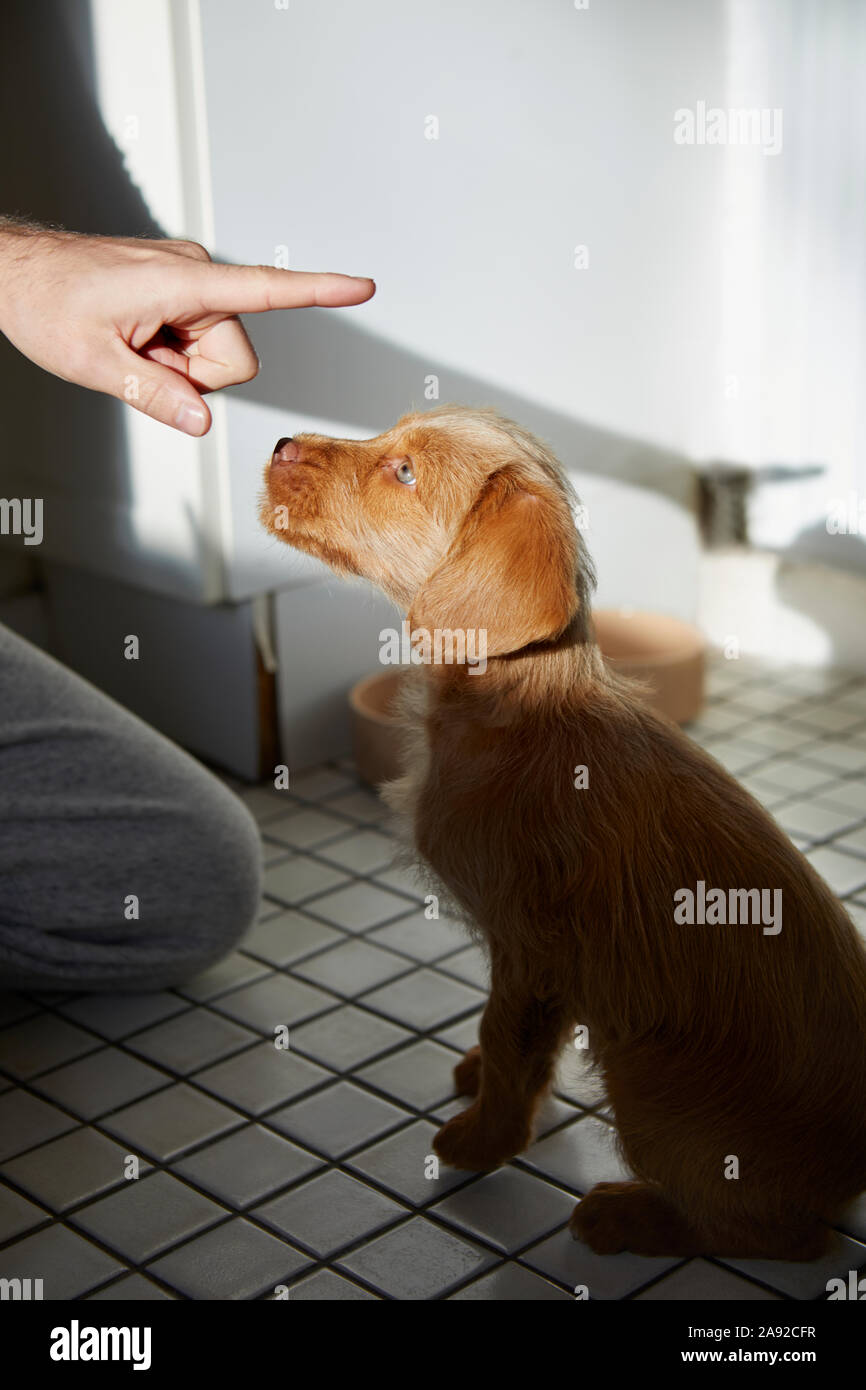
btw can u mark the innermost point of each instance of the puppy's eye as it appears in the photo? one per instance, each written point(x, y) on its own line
point(405, 473)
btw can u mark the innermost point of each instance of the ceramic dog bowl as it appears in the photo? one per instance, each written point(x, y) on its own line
point(375, 744)
point(665, 653)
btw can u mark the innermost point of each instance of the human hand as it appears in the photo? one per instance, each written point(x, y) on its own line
point(150, 322)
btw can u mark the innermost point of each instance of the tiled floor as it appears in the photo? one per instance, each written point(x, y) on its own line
point(309, 1166)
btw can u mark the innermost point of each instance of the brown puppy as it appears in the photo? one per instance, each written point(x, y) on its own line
point(734, 1055)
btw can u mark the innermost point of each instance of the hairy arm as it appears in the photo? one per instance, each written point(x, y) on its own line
point(153, 323)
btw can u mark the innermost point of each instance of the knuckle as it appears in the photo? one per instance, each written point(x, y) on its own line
point(195, 250)
point(250, 368)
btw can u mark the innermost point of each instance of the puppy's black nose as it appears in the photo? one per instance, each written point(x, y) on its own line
point(287, 452)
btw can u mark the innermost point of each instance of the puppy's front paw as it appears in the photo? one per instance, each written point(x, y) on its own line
point(616, 1216)
point(465, 1143)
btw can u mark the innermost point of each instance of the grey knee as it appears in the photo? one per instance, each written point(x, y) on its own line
point(212, 879)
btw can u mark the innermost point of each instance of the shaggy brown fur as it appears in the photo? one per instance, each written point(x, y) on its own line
point(714, 1041)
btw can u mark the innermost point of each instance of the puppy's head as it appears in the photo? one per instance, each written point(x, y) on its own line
point(459, 515)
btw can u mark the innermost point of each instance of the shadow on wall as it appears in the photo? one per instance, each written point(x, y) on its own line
point(59, 164)
point(324, 365)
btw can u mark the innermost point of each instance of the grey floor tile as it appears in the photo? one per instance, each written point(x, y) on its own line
point(416, 1261)
point(826, 718)
point(363, 852)
point(419, 1075)
point(307, 828)
point(552, 1114)
point(763, 791)
point(67, 1265)
point(360, 905)
point(69, 1169)
point(17, 1215)
point(133, 1288)
point(842, 872)
point(508, 1209)
point(510, 1283)
point(578, 1156)
point(735, 755)
point(361, 805)
point(165, 1124)
point(279, 1001)
point(301, 878)
point(837, 755)
point(329, 1212)
point(819, 680)
point(853, 843)
point(812, 819)
point(262, 1078)
point(148, 1215)
point(805, 1280)
point(26, 1121)
point(352, 968)
point(405, 1164)
point(323, 783)
point(100, 1082)
point(273, 852)
point(230, 973)
point(347, 1038)
point(266, 803)
point(288, 937)
point(721, 682)
point(462, 1035)
point(776, 737)
point(718, 720)
point(423, 1000)
point(795, 778)
point(39, 1043)
point(853, 696)
point(847, 793)
point(234, 1261)
point(402, 880)
point(472, 966)
point(698, 1281)
point(115, 1016)
point(338, 1119)
point(761, 699)
point(423, 940)
point(857, 913)
point(328, 1286)
point(14, 1007)
point(195, 1039)
point(247, 1166)
point(603, 1277)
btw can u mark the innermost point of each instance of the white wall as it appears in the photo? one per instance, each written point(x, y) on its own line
point(555, 129)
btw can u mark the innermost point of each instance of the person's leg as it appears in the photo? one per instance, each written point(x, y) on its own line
point(124, 864)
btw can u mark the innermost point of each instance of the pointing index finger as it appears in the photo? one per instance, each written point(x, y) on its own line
point(254, 289)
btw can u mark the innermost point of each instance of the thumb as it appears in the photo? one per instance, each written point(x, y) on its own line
point(159, 392)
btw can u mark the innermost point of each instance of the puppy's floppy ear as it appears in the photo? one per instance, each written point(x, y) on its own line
point(510, 570)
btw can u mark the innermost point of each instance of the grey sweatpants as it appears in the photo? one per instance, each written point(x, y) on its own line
point(124, 865)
